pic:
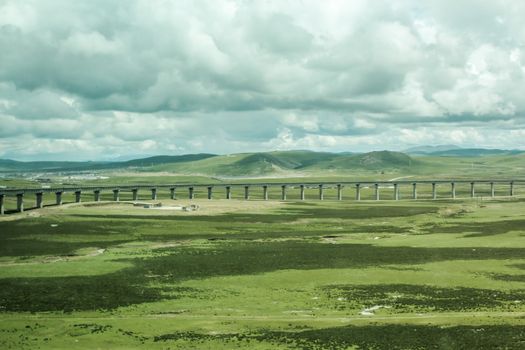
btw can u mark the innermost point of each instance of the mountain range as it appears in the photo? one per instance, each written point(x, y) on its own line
point(264, 163)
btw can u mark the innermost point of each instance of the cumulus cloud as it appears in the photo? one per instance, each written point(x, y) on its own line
point(108, 78)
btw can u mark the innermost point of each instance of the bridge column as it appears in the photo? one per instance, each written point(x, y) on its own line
point(376, 188)
point(357, 192)
point(472, 190)
point(339, 192)
point(414, 190)
point(321, 192)
point(154, 194)
point(210, 192)
point(20, 202)
point(396, 192)
point(58, 197)
point(116, 195)
point(191, 193)
point(283, 192)
point(302, 192)
point(246, 192)
point(135, 192)
point(78, 197)
point(39, 200)
point(511, 188)
point(453, 190)
point(97, 195)
point(492, 190)
point(265, 192)
point(172, 193)
point(2, 209)
point(434, 193)
point(228, 192)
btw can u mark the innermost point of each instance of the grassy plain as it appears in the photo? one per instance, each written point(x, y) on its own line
point(422, 274)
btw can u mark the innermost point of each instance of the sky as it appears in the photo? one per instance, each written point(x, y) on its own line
point(110, 79)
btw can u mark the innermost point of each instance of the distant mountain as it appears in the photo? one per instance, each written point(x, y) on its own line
point(474, 152)
point(13, 165)
point(430, 149)
point(150, 161)
point(455, 151)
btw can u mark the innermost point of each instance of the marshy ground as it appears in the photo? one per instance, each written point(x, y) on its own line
point(265, 275)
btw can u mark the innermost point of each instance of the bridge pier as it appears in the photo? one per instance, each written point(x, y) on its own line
point(283, 192)
point(78, 197)
point(172, 193)
point(339, 192)
point(96, 193)
point(39, 200)
point(376, 190)
point(453, 190)
point(321, 192)
point(414, 190)
point(492, 190)
point(512, 189)
point(396, 192)
point(191, 193)
point(472, 190)
point(434, 193)
point(135, 192)
point(357, 192)
point(2, 209)
point(116, 195)
point(154, 194)
point(58, 197)
point(228, 192)
point(20, 202)
point(246, 193)
point(265, 192)
point(302, 192)
point(210, 192)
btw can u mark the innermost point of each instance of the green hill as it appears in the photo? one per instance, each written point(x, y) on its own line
point(279, 162)
point(380, 160)
point(298, 163)
point(241, 164)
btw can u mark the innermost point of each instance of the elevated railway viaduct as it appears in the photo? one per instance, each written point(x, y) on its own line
point(429, 185)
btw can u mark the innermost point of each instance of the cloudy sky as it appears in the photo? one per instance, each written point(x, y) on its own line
point(102, 79)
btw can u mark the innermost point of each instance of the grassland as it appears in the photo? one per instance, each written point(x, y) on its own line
point(265, 275)
point(264, 167)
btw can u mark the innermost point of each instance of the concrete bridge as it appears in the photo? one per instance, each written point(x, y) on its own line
point(22, 193)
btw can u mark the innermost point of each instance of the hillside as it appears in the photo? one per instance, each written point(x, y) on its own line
point(381, 160)
point(8, 165)
point(279, 162)
point(241, 164)
point(299, 163)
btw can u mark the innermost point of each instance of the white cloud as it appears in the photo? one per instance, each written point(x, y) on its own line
point(161, 76)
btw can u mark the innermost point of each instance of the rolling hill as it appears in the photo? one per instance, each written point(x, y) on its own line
point(279, 162)
point(298, 163)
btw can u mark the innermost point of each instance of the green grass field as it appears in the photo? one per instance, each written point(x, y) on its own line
point(265, 275)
